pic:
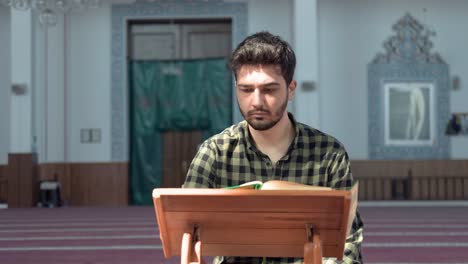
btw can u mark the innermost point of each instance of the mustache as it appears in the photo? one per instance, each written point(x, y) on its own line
point(258, 110)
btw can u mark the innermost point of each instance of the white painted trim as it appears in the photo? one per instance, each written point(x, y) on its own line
point(46, 94)
point(65, 86)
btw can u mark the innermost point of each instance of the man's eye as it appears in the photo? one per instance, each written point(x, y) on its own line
point(246, 90)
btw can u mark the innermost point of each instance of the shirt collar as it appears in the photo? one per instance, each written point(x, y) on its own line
point(250, 146)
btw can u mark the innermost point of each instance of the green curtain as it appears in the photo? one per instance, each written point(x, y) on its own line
point(177, 95)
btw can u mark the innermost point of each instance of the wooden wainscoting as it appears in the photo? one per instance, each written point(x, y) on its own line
point(439, 180)
point(377, 179)
point(3, 184)
point(22, 188)
point(411, 179)
point(89, 184)
point(99, 184)
point(106, 184)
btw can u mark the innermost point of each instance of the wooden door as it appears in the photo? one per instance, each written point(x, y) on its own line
point(179, 150)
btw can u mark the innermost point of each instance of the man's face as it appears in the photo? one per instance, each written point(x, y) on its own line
point(262, 95)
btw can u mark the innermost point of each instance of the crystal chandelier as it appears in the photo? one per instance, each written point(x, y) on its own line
point(49, 9)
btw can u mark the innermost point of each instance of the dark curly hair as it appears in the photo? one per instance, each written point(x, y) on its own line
point(264, 48)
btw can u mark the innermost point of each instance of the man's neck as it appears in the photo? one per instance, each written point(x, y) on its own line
point(275, 141)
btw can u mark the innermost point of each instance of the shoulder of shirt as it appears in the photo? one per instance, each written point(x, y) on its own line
point(309, 133)
point(230, 135)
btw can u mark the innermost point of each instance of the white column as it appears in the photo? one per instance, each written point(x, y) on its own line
point(55, 92)
point(49, 125)
point(21, 75)
point(5, 83)
point(307, 99)
point(39, 69)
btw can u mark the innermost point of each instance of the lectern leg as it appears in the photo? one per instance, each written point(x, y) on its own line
point(198, 257)
point(313, 249)
point(186, 249)
point(190, 252)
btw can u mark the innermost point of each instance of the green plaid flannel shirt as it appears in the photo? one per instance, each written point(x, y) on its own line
point(314, 158)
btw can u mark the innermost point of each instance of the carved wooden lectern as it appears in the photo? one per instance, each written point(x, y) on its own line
point(266, 223)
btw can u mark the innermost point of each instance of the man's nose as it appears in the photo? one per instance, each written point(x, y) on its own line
point(258, 98)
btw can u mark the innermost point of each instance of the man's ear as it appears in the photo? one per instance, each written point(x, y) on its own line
point(292, 89)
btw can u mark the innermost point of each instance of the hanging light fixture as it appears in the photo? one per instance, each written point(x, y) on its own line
point(49, 9)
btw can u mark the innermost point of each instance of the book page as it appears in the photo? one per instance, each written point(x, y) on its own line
point(286, 185)
point(248, 185)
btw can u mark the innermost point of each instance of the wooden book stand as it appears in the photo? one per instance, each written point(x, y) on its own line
point(269, 223)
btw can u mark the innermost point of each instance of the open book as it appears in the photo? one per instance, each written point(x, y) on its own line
point(277, 185)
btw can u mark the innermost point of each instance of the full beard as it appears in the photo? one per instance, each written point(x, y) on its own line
point(263, 123)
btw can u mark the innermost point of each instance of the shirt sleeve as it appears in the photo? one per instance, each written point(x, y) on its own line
point(202, 172)
point(342, 178)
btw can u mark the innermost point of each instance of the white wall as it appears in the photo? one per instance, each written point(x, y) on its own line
point(296, 22)
point(21, 73)
point(89, 97)
point(69, 83)
point(47, 89)
point(271, 15)
point(39, 91)
point(307, 101)
point(352, 32)
point(5, 82)
point(279, 18)
point(55, 89)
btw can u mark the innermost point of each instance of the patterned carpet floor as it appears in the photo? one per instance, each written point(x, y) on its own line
point(399, 233)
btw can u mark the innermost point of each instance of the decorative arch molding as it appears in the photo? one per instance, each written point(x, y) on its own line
point(120, 14)
point(408, 96)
